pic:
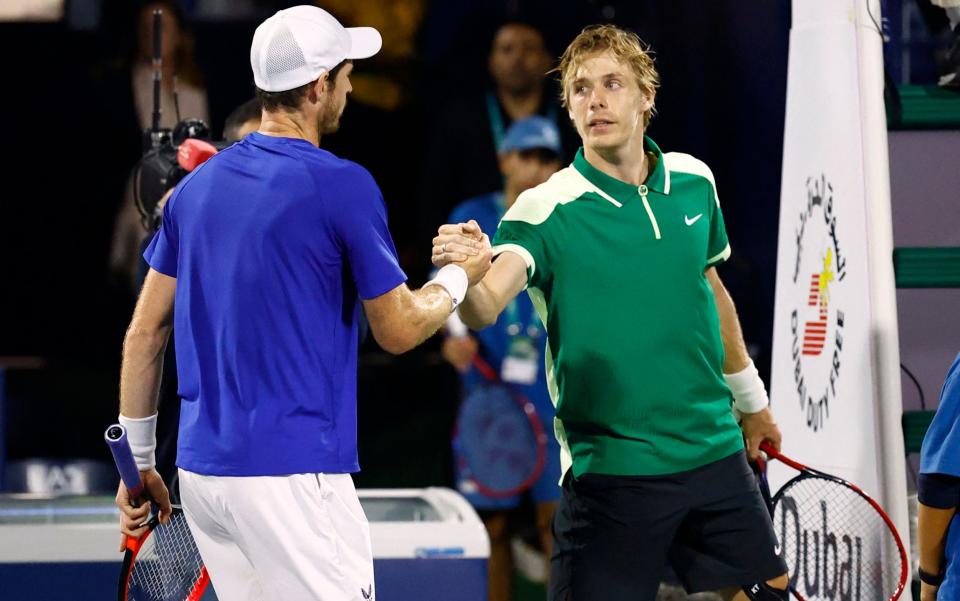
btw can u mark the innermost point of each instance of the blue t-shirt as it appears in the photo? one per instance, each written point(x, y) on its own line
point(518, 318)
point(271, 242)
point(940, 454)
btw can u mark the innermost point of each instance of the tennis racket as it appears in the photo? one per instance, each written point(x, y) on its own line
point(500, 444)
point(838, 543)
point(164, 564)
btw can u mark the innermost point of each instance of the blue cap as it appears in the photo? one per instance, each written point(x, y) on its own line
point(532, 132)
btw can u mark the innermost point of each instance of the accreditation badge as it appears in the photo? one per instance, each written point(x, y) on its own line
point(522, 362)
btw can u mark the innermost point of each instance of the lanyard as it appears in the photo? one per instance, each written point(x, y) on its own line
point(497, 128)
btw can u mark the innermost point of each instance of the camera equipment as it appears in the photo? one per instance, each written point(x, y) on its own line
point(168, 155)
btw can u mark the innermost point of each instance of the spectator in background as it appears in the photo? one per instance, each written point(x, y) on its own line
point(462, 157)
point(939, 495)
point(182, 96)
point(243, 120)
point(182, 93)
point(529, 155)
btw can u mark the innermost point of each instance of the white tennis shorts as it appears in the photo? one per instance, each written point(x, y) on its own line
point(302, 537)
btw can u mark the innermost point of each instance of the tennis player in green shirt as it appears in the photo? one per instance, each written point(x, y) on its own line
point(645, 355)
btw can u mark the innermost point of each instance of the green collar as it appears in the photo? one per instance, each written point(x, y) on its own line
point(620, 190)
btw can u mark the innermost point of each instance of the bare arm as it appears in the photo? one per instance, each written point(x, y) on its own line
point(487, 299)
point(144, 345)
point(932, 536)
point(736, 357)
point(760, 426)
point(402, 318)
point(140, 373)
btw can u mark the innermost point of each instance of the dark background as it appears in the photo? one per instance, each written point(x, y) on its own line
point(68, 145)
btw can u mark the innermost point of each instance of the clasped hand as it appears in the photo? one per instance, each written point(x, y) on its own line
point(466, 245)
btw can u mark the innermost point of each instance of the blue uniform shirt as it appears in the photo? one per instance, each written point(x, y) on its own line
point(940, 454)
point(271, 242)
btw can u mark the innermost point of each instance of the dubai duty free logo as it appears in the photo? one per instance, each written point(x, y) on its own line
point(816, 318)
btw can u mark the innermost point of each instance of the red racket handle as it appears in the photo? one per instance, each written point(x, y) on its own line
point(767, 448)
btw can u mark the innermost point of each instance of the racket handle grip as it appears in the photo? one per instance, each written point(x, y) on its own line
point(116, 438)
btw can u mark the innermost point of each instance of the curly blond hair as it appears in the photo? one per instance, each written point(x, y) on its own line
point(625, 46)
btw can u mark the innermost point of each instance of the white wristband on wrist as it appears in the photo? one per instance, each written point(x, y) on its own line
point(142, 436)
point(453, 279)
point(749, 393)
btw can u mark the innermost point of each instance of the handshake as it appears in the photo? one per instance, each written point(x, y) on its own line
point(467, 246)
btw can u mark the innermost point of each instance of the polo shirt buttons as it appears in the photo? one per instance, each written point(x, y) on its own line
point(643, 190)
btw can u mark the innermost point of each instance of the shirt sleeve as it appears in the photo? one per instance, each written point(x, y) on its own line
point(164, 250)
point(940, 491)
point(940, 453)
point(523, 231)
point(718, 246)
point(360, 224)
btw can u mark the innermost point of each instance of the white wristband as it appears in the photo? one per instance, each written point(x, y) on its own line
point(749, 393)
point(453, 279)
point(142, 436)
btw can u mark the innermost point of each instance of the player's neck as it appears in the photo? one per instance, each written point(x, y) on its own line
point(289, 125)
point(519, 104)
point(627, 163)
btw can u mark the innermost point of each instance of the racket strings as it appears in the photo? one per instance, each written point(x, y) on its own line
point(497, 443)
point(168, 565)
point(835, 544)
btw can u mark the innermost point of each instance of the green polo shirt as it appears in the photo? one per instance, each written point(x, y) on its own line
point(634, 355)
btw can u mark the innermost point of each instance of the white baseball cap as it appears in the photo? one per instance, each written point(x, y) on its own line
point(296, 45)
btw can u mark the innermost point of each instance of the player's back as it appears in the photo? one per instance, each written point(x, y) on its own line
point(266, 310)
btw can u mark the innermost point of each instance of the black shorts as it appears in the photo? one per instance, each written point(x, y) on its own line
point(614, 535)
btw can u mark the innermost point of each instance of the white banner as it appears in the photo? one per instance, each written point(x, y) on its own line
point(822, 373)
point(825, 383)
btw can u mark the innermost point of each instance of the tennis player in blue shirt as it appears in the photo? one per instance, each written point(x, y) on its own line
point(939, 496)
point(263, 258)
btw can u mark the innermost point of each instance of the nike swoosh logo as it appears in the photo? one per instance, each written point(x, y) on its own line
point(776, 550)
point(694, 220)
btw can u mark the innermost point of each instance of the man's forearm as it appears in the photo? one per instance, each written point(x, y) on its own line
point(141, 370)
point(932, 529)
point(736, 357)
point(480, 308)
point(403, 318)
point(430, 310)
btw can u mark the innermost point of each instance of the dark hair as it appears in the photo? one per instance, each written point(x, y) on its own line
point(292, 99)
point(247, 111)
point(523, 23)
